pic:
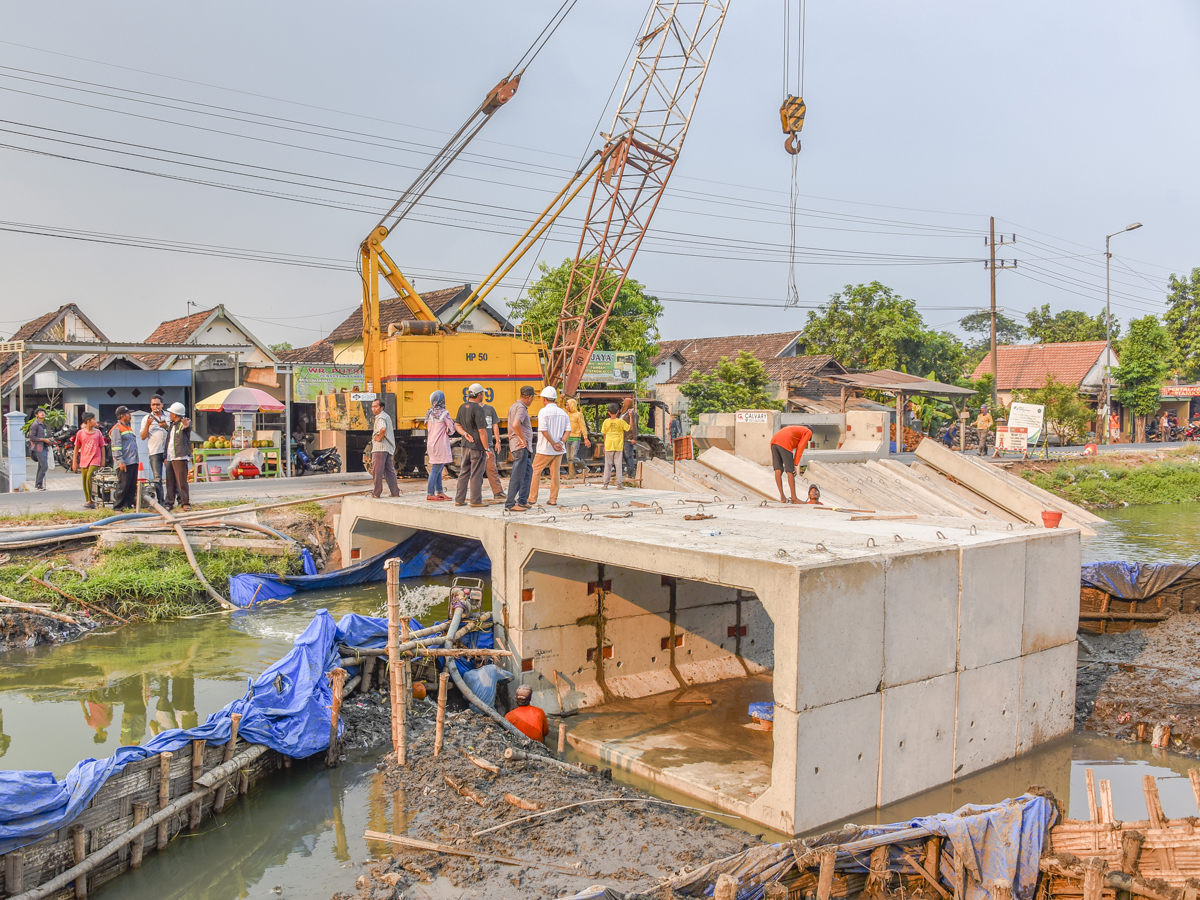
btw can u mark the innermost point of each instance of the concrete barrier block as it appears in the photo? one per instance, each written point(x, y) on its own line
point(1047, 696)
point(918, 737)
point(988, 712)
point(635, 593)
point(557, 592)
point(837, 760)
point(1051, 590)
point(840, 617)
point(993, 603)
point(921, 610)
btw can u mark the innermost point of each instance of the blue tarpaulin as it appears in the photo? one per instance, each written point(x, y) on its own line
point(1137, 581)
point(423, 554)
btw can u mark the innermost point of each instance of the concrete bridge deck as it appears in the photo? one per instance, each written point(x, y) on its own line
point(901, 653)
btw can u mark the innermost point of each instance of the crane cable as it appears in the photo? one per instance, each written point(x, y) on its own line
point(792, 114)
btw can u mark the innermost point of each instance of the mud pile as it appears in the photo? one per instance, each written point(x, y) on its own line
point(1130, 683)
point(21, 630)
point(616, 837)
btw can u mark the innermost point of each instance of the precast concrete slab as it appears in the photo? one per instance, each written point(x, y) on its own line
point(900, 653)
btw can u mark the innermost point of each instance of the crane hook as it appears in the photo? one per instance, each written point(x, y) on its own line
point(792, 143)
point(791, 115)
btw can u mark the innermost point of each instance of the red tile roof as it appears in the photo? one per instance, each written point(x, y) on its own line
point(393, 311)
point(177, 331)
point(320, 353)
point(1027, 365)
point(703, 354)
point(37, 328)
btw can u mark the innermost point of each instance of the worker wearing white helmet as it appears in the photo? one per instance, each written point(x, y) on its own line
point(472, 424)
point(179, 456)
point(553, 425)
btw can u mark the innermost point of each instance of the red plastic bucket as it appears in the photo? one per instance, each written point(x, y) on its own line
point(1051, 518)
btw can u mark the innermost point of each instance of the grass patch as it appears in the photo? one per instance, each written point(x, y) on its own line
point(147, 582)
point(1110, 481)
point(313, 510)
point(54, 517)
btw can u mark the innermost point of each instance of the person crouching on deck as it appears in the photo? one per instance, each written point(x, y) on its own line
point(529, 719)
point(787, 447)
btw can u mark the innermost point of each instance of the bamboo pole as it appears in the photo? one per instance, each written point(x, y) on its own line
point(368, 669)
point(468, 625)
point(825, 874)
point(164, 794)
point(337, 679)
point(197, 771)
point(399, 724)
point(14, 871)
point(38, 611)
point(443, 681)
point(77, 601)
point(459, 851)
point(406, 671)
point(562, 738)
point(136, 848)
point(219, 801)
point(79, 848)
point(159, 819)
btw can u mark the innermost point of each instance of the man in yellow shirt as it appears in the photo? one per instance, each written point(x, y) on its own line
point(614, 429)
point(984, 426)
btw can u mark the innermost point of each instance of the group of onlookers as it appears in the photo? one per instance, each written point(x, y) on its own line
point(562, 437)
point(168, 437)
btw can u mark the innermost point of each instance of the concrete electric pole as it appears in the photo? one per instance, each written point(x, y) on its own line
point(992, 265)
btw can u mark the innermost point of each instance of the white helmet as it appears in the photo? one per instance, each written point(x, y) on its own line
point(475, 389)
point(178, 409)
point(549, 393)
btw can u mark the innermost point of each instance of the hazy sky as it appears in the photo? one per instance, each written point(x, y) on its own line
point(1065, 120)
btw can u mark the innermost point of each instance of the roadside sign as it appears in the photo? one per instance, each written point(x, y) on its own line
point(757, 417)
point(1009, 437)
point(1029, 417)
point(612, 367)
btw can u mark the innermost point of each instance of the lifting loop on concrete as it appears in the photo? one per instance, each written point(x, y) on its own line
point(699, 509)
point(899, 540)
point(941, 537)
point(658, 510)
point(819, 548)
point(616, 504)
point(973, 531)
point(716, 498)
point(587, 517)
point(548, 519)
point(744, 497)
point(585, 507)
point(763, 504)
point(1010, 528)
point(539, 509)
point(781, 553)
point(730, 506)
point(656, 505)
point(870, 542)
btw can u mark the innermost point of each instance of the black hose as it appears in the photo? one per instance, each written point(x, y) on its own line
point(472, 697)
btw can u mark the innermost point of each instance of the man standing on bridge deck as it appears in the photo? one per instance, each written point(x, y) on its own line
point(383, 451)
point(520, 441)
point(553, 425)
point(787, 447)
point(472, 425)
point(530, 720)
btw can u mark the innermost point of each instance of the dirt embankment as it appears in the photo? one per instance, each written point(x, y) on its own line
point(614, 838)
point(1131, 683)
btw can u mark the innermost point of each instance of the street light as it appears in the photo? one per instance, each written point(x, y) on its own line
point(1108, 331)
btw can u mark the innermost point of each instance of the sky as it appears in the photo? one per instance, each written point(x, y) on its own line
point(267, 139)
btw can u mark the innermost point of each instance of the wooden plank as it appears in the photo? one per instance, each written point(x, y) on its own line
point(825, 874)
point(1106, 802)
point(1194, 777)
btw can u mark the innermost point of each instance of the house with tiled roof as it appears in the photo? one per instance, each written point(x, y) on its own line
point(347, 337)
point(1080, 364)
point(677, 360)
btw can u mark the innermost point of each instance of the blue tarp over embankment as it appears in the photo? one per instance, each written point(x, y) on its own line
point(423, 554)
point(1138, 581)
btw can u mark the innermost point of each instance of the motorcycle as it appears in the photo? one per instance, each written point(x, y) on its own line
point(62, 445)
point(1193, 431)
point(326, 461)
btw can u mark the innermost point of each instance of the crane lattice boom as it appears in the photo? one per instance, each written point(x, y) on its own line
point(671, 59)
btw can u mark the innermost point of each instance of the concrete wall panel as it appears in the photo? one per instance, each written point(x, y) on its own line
point(560, 592)
point(635, 593)
point(921, 610)
point(689, 594)
point(993, 603)
point(988, 711)
point(840, 619)
point(918, 737)
point(562, 650)
point(837, 760)
point(1051, 591)
point(758, 643)
point(1047, 696)
point(638, 667)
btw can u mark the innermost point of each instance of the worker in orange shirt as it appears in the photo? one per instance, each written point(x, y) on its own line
point(529, 719)
point(787, 447)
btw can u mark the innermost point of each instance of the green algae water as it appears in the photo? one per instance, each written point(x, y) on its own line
point(1165, 532)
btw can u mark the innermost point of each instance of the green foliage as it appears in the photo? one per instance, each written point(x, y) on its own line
point(1183, 322)
point(633, 324)
point(1112, 482)
point(55, 419)
point(283, 345)
point(1008, 331)
point(1145, 362)
point(1067, 326)
point(1066, 413)
point(739, 383)
point(147, 582)
point(870, 326)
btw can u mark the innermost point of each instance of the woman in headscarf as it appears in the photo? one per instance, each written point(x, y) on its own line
point(577, 438)
point(438, 429)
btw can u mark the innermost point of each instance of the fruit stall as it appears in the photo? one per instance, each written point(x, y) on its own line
point(217, 458)
point(214, 457)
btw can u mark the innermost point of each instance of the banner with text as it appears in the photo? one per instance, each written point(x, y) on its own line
point(612, 367)
point(308, 382)
point(1027, 416)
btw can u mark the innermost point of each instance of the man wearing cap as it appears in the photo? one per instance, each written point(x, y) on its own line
point(472, 424)
point(530, 720)
point(984, 426)
point(125, 455)
point(179, 456)
point(553, 425)
point(520, 441)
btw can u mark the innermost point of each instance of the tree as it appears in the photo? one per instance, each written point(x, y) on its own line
point(1065, 412)
point(1183, 321)
point(870, 326)
point(1145, 362)
point(1067, 326)
point(1008, 331)
point(633, 324)
point(277, 348)
point(739, 383)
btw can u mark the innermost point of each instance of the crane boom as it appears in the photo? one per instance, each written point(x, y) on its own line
point(671, 59)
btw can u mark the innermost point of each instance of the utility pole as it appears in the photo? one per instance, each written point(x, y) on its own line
point(992, 265)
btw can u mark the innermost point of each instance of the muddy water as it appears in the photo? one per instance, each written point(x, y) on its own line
point(1165, 532)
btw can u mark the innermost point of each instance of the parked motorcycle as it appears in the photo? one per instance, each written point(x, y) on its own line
point(1192, 433)
point(325, 461)
point(62, 444)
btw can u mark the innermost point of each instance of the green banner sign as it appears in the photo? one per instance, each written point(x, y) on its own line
point(612, 367)
point(309, 382)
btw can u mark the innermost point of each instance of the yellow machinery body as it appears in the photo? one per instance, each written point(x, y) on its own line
point(414, 366)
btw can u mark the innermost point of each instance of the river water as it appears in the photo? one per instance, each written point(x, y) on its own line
point(299, 834)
